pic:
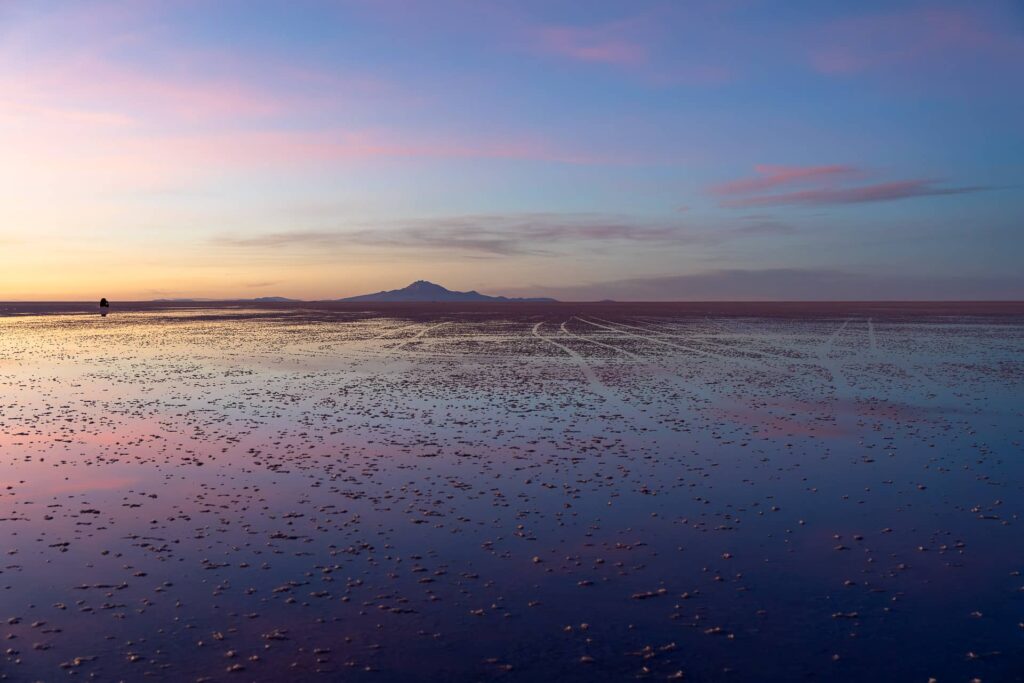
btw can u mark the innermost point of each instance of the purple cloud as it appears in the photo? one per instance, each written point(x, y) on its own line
point(828, 184)
point(770, 177)
point(602, 44)
point(485, 235)
point(879, 192)
point(929, 38)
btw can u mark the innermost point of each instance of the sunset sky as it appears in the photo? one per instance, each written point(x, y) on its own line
point(637, 150)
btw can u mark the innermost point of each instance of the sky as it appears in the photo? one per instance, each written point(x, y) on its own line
point(684, 149)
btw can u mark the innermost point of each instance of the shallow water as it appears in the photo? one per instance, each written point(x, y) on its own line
point(528, 494)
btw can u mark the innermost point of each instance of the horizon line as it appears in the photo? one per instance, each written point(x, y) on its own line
point(509, 301)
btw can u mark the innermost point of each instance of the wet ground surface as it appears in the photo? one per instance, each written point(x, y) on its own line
point(521, 494)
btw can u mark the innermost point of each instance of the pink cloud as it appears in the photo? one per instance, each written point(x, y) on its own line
point(631, 45)
point(86, 58)
point(924, 37)
point(83, 153)
point(602, 44)
point(694, 74)
point(879, 192)
point(102, 86)
point(258, 148)
point(12, 109)
point(770, 177)
point(827, 184)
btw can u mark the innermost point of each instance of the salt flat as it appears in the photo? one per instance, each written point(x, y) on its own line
point(533, 492)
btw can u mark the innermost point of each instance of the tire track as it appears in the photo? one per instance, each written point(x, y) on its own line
point(596, 385)
point(711, 336)
point(826, 347)
point(701, 391)
point(419, 335)
point(648, 338)
point(594, 341)
point(842, 392)
point(761, 367)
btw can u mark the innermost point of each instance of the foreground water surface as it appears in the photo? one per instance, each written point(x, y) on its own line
point(514, 494)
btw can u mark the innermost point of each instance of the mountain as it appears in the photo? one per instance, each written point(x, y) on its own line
point(424, 291)
point(272, 299)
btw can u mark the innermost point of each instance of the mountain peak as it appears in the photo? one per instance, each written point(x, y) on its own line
point(424, 291)
point(424, 285)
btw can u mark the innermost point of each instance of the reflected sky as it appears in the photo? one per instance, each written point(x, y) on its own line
point(522, 496)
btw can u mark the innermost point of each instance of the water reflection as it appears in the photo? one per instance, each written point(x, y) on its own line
point(194, 493)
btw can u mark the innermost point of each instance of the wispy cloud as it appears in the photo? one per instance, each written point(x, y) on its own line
point(770, 177)
point(486, 235)
point(198, 87)
point(879, 192)
point(606, 44)
point(511, 235)
point(828, 185)
point(84, 152)
point(756, 225)
point(641, 46)
point(924, 37)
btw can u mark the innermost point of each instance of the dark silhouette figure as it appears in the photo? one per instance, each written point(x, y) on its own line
point(104, 307)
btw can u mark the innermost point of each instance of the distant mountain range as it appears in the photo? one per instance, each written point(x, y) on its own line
point(424, 291)
point(419, 291)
